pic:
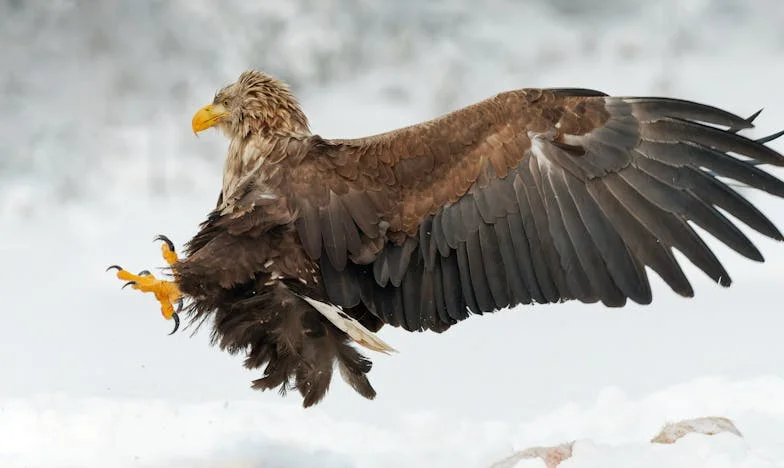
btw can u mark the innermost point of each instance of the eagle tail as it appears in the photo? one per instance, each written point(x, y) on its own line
point(293, 341)
point(350, 326)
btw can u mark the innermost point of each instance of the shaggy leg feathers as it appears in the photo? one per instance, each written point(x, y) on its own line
point(294, 342)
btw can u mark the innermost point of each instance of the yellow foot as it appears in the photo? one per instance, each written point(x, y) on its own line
point(166, 292)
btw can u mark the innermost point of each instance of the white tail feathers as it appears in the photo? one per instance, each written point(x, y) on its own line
point(352, 327)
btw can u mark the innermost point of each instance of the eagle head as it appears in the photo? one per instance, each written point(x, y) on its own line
point(255, 104)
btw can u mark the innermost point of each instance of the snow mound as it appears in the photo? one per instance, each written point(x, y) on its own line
point(720, 451)
point(708, 425)
point(551, 456)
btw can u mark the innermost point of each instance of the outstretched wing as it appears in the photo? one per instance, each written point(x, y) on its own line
point(530, 196)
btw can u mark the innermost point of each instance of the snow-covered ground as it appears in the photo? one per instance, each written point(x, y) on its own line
point(96, 157)
point(613, 430)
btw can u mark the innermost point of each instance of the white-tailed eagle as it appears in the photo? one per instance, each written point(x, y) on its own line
point(530, 196)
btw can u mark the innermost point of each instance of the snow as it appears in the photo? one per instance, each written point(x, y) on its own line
point(613, 430)
point(96, 163)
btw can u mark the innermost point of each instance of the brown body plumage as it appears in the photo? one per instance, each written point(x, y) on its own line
point(531, 196)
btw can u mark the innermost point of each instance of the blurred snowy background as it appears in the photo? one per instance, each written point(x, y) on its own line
point(97, 157)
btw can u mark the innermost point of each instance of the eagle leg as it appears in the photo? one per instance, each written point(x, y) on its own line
point(166, 292)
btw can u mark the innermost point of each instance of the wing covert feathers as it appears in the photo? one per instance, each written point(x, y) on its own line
point(537, 196)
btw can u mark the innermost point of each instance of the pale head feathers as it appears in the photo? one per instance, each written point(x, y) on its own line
point(260, 104)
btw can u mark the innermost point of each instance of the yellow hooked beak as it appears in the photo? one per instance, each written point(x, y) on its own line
point(208, 116)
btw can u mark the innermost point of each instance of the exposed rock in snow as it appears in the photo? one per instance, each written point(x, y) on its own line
point(551, 456)
point(711, 425)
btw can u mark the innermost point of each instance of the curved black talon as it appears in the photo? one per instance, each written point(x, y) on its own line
point(114, 267)
point(176, 323)
point(162, 238)
point(143, 273)
point(176, 316)
point(129, 283)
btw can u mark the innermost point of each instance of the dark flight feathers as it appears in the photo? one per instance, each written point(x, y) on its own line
point(533, 196)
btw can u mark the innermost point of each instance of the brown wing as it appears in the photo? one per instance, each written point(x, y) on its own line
point(530, 196)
